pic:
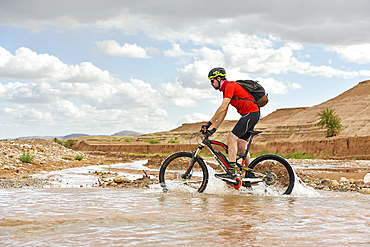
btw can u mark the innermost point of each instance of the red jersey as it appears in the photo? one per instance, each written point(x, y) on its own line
point(230, 89)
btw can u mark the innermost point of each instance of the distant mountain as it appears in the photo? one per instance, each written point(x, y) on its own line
point(70, 136)
point(127, 133)
point(34, 137)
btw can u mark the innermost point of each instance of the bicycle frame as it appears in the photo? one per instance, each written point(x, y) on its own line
point(222, 160)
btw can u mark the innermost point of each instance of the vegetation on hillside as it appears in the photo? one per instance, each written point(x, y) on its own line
point(26, 158)
point(331, 121)
point(68, 144)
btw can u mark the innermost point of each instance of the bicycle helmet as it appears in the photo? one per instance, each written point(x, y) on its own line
point(215, 72)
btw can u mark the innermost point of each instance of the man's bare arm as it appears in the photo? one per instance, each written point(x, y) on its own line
point(220, 114)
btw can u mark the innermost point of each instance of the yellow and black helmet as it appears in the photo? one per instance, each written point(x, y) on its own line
point(215, 72)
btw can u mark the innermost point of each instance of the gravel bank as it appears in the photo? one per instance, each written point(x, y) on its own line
point(25, 183)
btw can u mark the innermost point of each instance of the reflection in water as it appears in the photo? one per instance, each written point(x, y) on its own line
point(221, 216)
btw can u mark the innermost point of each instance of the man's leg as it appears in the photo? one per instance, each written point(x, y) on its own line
point(236, 145)
point(242, 146)
point(232, 143)
point(240, 129)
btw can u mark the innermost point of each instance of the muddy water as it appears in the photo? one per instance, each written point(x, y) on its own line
point(66, 216)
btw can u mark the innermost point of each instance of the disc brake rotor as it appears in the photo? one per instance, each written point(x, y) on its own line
point(270, 178)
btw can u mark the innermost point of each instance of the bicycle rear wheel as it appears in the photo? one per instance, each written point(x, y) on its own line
point(279, 173)
point(172, 174)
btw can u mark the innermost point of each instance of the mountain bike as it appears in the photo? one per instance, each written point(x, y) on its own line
point(190, 169)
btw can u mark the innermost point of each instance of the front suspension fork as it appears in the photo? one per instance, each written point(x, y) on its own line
point(187, 174)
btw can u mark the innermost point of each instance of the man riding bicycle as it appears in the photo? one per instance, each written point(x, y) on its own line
point(237, 139)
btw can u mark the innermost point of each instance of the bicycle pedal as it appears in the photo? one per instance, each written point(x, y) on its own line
point(235, 185)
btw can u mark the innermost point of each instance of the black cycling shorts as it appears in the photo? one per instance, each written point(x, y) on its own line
point(245, 123)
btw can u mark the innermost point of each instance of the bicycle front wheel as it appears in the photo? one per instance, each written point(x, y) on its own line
point(174, 173)
point(279, 175)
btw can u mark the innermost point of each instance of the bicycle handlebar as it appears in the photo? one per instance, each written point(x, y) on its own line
point(205, 134)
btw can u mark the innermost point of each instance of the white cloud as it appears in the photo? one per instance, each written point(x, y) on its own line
point(196, 117)
point(262, 61)
point(182, 102)
point(195, 75)
point(181, 96)
point(28, 115)
point(175, 51)
point(295, 86)
point(26, 64)
point(135, 94)
point(54, 80)
point(69, 110)
point(354, 53)
point(234, 74)
point(295, 46)
point(244, 60)
point(159, 112)
point(111, 47)
point(277, 87)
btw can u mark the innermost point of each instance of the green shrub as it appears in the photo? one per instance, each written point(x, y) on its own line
point(295, 155)
point(79, 157)
point(127, 139)
point(58, 141)
point(264, 151)
point(68, 144)
point(173, 141)
point(26, 158)
point(299, 155)
point(152, 141)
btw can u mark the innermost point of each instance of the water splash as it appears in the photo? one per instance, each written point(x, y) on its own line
point(301, 189)
point(215, 185)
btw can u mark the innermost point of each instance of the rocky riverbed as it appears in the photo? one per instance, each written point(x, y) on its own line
point(47, 156)
point(333, 175)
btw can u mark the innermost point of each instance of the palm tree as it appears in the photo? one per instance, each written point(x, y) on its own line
point(330, 121)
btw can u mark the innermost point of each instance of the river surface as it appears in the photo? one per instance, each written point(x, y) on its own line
point(70, 215)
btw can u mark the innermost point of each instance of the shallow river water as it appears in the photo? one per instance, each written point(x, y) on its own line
point(72, 216)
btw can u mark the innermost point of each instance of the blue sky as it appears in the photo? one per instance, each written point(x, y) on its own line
point(100, 67)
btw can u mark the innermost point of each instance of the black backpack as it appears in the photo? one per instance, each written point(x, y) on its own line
point(255, 89)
